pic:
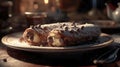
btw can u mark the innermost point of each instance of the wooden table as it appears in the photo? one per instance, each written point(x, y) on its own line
point(17, 58)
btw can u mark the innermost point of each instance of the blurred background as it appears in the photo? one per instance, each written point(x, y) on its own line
point(17, 15)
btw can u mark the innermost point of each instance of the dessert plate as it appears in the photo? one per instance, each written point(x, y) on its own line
point(105, 23)
point(12, 41)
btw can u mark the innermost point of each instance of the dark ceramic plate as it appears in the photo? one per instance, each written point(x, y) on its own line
point(12, 41)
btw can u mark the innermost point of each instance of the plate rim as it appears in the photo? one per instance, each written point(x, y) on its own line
point(117, 25)
point(56, 49)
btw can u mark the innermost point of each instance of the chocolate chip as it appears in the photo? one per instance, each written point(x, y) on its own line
point(30, 36)
point(60, 26)
point(71, 31)
point(82, 27)
point(62, 31)
point(4, 60)
point(50, 38)
point(66, 28)
point(78, 30)
point(64, 25)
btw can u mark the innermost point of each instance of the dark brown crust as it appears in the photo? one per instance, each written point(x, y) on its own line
point(72, 40)
point(67, 40)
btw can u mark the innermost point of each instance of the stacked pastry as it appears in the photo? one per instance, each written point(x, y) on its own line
point(60, 34)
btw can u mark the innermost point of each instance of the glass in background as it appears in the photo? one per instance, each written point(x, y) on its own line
point(13, 23)
point(36, 15)
point(3, 15)
point(54, 13)
point(49, 14)
point(34, 18)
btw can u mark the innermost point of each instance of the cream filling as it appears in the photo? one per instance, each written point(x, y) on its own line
point(36, 38)
point(55, 40)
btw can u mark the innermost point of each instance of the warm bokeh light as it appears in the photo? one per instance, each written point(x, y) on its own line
point(46, 1)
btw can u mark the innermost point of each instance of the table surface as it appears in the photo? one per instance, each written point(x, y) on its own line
point(17, 58)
